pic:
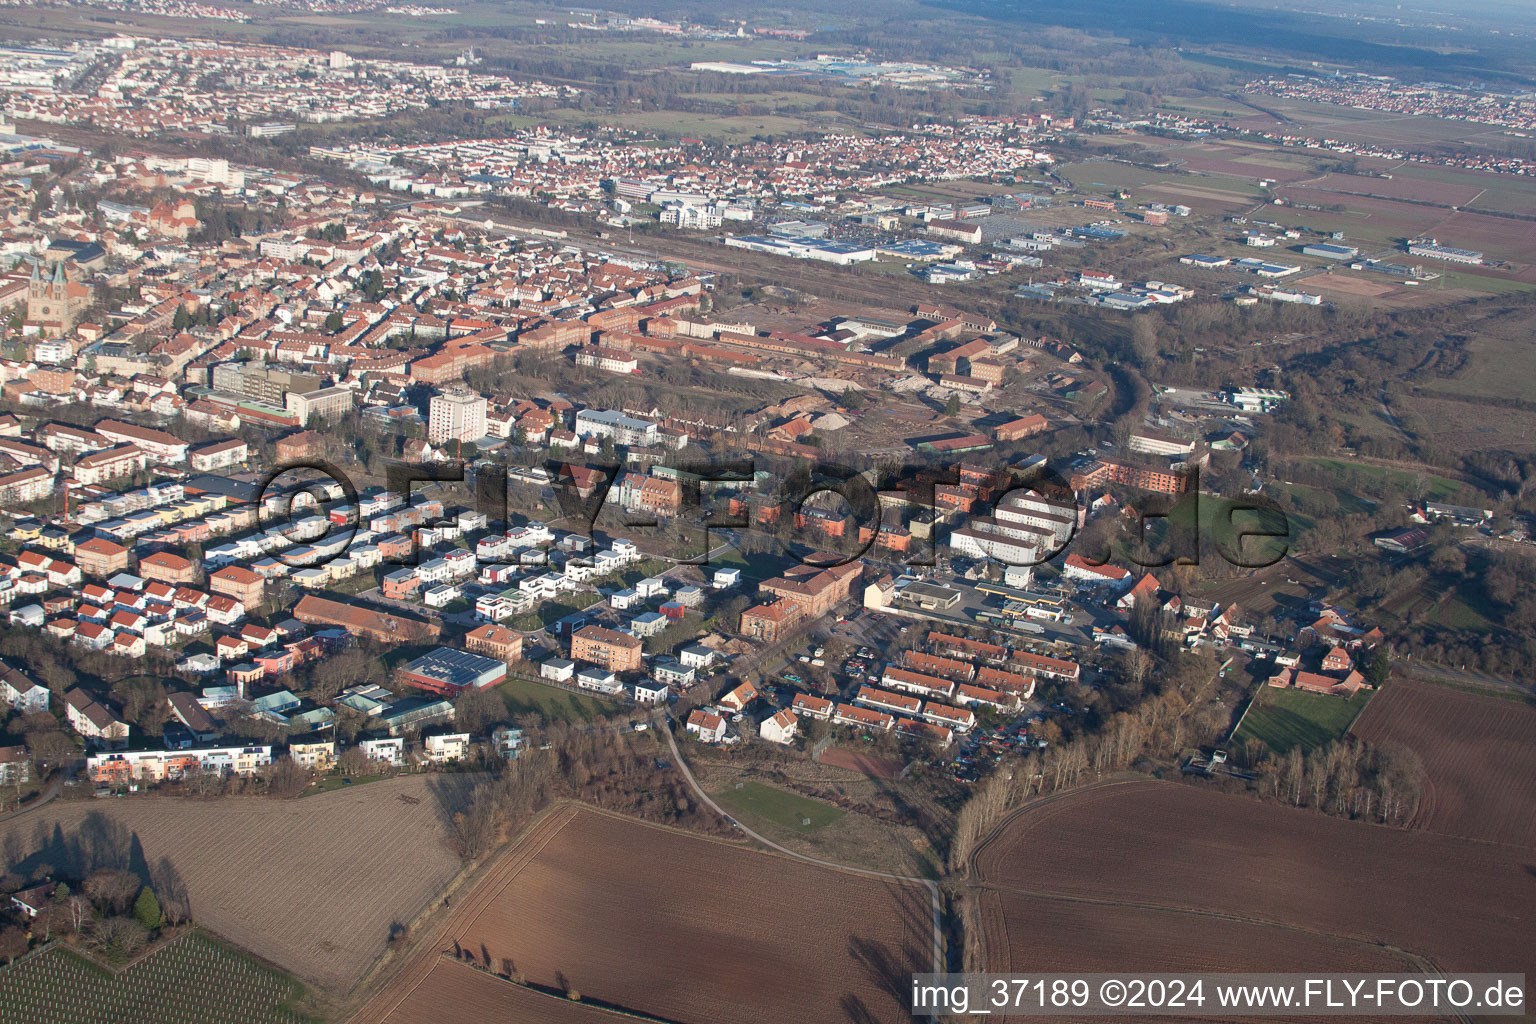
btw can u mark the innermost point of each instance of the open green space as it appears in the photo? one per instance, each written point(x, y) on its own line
point(1282, 719)
point(1223, 525)
point(753, 800)
point(1499, 366)
point(1440, 489)
point(759, 566)
point(1479, 283)
point(327, 783)
point(525, 695)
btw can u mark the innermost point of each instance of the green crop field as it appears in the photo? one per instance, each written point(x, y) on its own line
point(191, 980)
point(1282, 719)
point(788, 810)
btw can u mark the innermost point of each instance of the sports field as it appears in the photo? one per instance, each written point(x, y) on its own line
point(1282, 719)
point(791, 810)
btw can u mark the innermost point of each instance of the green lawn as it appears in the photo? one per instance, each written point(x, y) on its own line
point(782, 808)
point(327, 783)
point(761, 566)
point(1282, 719)
point(1223, 525)
point(1440, 489)
point(552, 702)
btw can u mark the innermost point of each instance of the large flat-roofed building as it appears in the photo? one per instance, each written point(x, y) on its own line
point(1434, 250)
point(450, 672)
point(1330, 251)
point(258, 382)
point(625, 430)
point(320, 404)
point(930, 596)
point(456, 415)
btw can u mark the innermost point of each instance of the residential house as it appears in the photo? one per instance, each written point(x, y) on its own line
point(707, 726)
point(779, 728)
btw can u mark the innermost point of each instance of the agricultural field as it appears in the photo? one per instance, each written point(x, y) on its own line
point(1306, 117)
point(1370, 219)
point(1025, 934)
point(1463, 424)
point(454, 992)
point(190, 979)
point(1188, 849)
point(1282, 719)
point(641, 917)
point(1398, 187)
point(1478, 752)
point(1499, 363)
point(1243, 160)
point(1507, 192)
point(312, 885)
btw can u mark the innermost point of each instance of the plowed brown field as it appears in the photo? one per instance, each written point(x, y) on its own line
point(681, 927)
point(696, 930)
point(1479, 754)
point(1164, 846)
point(312, 885)
point(1027, 934)
point(456, 993)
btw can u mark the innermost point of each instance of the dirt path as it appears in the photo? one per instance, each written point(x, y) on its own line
point(936, 900)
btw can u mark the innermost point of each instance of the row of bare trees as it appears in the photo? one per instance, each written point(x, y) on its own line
point(1348, 778)
point(1156, 726)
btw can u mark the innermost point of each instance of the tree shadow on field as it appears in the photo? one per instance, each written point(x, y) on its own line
point(882, 965)
point(856, 1012)
point(452, 793)
point(100, 842)
point(890, 966)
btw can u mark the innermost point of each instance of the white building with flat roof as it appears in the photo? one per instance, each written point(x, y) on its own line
point(455, 416)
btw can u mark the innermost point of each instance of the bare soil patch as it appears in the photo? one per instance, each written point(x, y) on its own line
point(1479, 754)
point(1460, 904)
point(666, 923)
